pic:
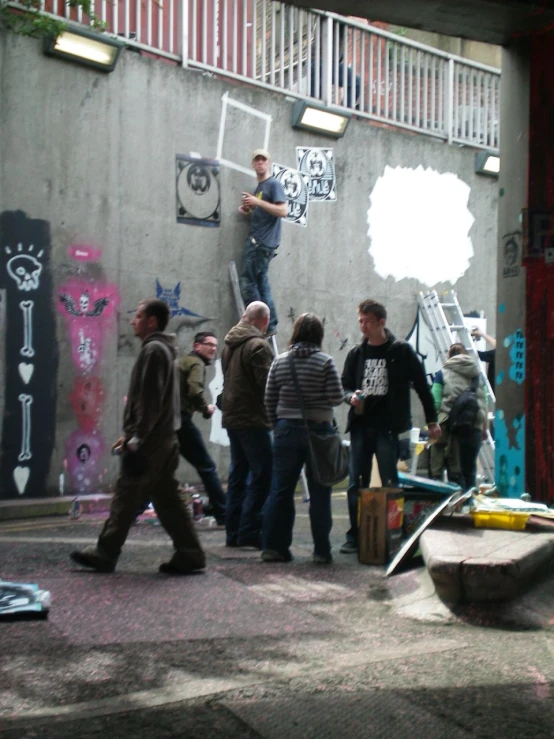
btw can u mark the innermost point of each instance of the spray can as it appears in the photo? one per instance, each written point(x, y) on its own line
point(359, 410)
point(197, 507)
point(75, 509)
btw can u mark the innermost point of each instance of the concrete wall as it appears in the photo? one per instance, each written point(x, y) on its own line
point(90, 159)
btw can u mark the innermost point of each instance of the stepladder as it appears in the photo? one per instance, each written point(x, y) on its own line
point(233, 275)
point(448, 325)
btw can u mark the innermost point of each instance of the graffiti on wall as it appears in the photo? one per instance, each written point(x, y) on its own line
point(412, 215)
point(30, 356)
point(88, 306)
point(172, 296)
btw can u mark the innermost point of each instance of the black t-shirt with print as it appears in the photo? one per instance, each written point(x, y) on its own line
point(375, 385)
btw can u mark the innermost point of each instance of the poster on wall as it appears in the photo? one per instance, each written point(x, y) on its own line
point(198, 191)
point(319, 164)
point(295, 184)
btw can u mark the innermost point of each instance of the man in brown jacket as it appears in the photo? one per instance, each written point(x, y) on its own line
point(149, 453)
point(246, 360)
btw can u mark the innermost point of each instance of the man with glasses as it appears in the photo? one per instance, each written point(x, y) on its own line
point(266, 206)
point(192, 373)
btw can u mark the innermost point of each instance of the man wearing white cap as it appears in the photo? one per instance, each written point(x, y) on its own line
point(266, 206)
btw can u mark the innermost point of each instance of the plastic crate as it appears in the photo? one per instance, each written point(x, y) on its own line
point(507, 520)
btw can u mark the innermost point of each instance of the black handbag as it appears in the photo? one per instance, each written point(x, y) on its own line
point(328, 455)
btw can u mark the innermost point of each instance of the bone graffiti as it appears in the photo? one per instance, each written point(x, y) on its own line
point(28, 431)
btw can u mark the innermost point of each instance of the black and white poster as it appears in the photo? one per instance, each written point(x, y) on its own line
point(295, 184)
point(319, 164)
point(198, 191)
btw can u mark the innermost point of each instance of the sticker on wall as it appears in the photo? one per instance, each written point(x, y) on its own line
point(83, 452)
point(511, 254)
point(295, 184)
point(218, 435)
point(319, 165)
point(30, 356)
point(198, 191)
point(419, 225)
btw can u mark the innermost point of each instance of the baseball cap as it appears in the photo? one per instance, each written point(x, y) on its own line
point(261, 153)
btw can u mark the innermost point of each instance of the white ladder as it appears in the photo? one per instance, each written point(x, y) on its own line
point(233, 274)
point(445, 320)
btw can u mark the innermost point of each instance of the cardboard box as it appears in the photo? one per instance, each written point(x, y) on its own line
point(380, 517)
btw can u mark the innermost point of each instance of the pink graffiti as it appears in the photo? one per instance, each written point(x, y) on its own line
point(88, 308)
point(87, 399)
point(84, 452)
point(82, 253)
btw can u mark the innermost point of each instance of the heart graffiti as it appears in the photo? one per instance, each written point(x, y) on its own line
point(26, 371)
point(21, 477)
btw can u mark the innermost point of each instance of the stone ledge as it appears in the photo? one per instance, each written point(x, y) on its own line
point(485, 565)
point(11, 510)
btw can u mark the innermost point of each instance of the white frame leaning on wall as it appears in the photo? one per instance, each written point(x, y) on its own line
point(309, 54)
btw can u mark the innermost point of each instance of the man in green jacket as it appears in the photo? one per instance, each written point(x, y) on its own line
point(192, 373)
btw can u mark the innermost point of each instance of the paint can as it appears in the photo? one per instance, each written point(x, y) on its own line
point(197, 507)
point(75, 510)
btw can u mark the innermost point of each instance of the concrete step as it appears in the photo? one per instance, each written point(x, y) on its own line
point(484, 565)
point(60, 505)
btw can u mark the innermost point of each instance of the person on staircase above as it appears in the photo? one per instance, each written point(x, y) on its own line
point(265, 206)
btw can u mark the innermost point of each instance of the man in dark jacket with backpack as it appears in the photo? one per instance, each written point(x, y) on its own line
point(460, 400)
point(377, 377)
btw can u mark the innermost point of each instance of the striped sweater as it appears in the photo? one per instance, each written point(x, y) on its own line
point(319, 381)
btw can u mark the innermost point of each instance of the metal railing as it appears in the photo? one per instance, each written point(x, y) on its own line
point(310, 54)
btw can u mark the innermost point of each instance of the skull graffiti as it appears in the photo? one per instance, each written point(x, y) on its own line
point(84, 302)
point(25, 270)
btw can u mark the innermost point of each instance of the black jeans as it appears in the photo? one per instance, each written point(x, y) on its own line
point(364, 443)
point(469, 445)
point(193, 449)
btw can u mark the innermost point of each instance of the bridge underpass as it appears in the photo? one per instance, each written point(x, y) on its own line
point(525, 320)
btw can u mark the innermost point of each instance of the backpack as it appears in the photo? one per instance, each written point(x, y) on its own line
point(465, 410)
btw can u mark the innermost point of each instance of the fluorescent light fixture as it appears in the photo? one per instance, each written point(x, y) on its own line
point(319, 119)
point(486, 163)
point(85, 47)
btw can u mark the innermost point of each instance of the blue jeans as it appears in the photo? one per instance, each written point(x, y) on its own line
point(193, 449)
point(254, 282)
point(364, 443)
point(249, 483)
point(290, 453)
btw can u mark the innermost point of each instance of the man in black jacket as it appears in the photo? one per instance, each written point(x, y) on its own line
point(377, 377)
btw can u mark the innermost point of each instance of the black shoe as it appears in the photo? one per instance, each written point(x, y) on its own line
point(93, 561)
point(170, 569)
point(349, 547)
point(220, 522)
point(270, 555)
point(231, 543)
point(253, 543)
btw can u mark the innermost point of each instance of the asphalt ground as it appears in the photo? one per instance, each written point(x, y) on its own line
point(251, 649)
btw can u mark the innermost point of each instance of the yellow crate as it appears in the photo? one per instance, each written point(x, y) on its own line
point(509, 520)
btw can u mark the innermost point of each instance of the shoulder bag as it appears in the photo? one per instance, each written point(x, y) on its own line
point(328, 455)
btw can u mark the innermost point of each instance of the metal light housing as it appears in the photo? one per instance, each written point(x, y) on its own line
point(91, 49)
point(487, 163)
point(319, 119)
